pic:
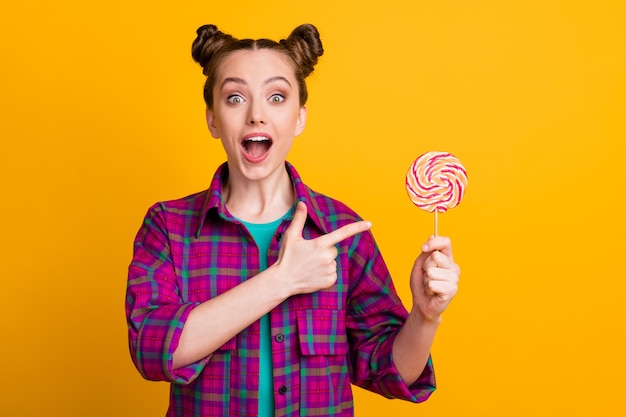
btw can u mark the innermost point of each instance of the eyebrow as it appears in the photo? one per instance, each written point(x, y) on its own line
point(270, 80)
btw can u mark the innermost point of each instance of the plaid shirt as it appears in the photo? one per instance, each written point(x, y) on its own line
point(191, 250)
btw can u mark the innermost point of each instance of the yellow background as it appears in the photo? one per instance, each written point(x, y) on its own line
point(101, 115)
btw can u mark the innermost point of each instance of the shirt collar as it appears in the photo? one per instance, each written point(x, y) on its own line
point(215, 199)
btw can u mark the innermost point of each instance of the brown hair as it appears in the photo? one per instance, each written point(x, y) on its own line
point(211, 45)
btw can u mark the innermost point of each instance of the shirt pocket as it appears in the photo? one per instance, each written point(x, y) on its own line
point(322, 332)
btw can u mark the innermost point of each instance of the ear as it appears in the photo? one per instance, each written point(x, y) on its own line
point(301, 122)
point(210, 122)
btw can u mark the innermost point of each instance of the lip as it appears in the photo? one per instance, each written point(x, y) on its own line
point(262, 137)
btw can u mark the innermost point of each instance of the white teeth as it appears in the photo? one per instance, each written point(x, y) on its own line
point(257, 139)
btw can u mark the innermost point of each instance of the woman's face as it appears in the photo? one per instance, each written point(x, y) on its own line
point(256, 112)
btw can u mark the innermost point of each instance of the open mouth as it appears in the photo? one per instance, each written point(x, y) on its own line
point(256, 147)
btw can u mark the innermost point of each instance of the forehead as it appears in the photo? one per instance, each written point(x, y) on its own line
point(256, 64)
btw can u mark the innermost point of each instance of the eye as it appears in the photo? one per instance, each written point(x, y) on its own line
point(277, 98)
point(235, 99)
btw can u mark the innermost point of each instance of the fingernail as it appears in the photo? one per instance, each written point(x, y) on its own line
point(369, 224)
point(425, 247)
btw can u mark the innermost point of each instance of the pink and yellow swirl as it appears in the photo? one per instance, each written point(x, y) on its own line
point(436, 181)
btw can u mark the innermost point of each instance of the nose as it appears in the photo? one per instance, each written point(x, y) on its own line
point(256, 115)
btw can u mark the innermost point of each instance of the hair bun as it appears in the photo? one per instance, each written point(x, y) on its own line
point(209, 40)
point(305, 46)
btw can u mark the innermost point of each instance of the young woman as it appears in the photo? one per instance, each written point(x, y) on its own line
point(260, 296)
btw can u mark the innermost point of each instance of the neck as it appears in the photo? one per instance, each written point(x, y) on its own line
point(259, 201)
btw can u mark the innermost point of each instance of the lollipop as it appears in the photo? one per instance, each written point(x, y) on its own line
point(435, 182)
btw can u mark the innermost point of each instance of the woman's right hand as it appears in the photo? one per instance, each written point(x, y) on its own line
point(306, 266)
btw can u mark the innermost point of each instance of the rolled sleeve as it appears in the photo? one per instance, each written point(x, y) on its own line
point(389, 382)
point(155, 311)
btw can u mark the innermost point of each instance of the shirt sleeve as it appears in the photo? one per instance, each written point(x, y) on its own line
point(374, 317)
point(155, 311)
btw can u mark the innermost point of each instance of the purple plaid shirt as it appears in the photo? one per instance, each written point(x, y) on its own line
point(190, 250)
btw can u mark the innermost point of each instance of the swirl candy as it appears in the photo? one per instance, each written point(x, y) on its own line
point(436, 181)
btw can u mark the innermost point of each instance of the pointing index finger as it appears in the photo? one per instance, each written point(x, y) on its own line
point(344, 232)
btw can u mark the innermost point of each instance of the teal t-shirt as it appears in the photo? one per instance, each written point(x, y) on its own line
point(263, 234)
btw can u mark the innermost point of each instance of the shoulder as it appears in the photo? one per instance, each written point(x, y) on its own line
point(180, 212)
point(188, 205)
point(331, 211)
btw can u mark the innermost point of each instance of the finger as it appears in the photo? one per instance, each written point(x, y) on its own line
point(450, 274)
point(344, 232)
point(420, 261)
point(299, 219)
point(445, 290)
point(425, 246)
point(438, 259)
point(438, 243)
point(426, 284)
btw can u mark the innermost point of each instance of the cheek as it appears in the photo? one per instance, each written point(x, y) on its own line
point(223, 120)
point(289, 120)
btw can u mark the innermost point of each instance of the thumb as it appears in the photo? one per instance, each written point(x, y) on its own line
point(297, 224)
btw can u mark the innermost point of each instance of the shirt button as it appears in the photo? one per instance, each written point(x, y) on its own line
point(279, 338)
point(282, 390)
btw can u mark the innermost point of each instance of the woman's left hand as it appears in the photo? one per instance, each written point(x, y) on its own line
point(434, 278)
